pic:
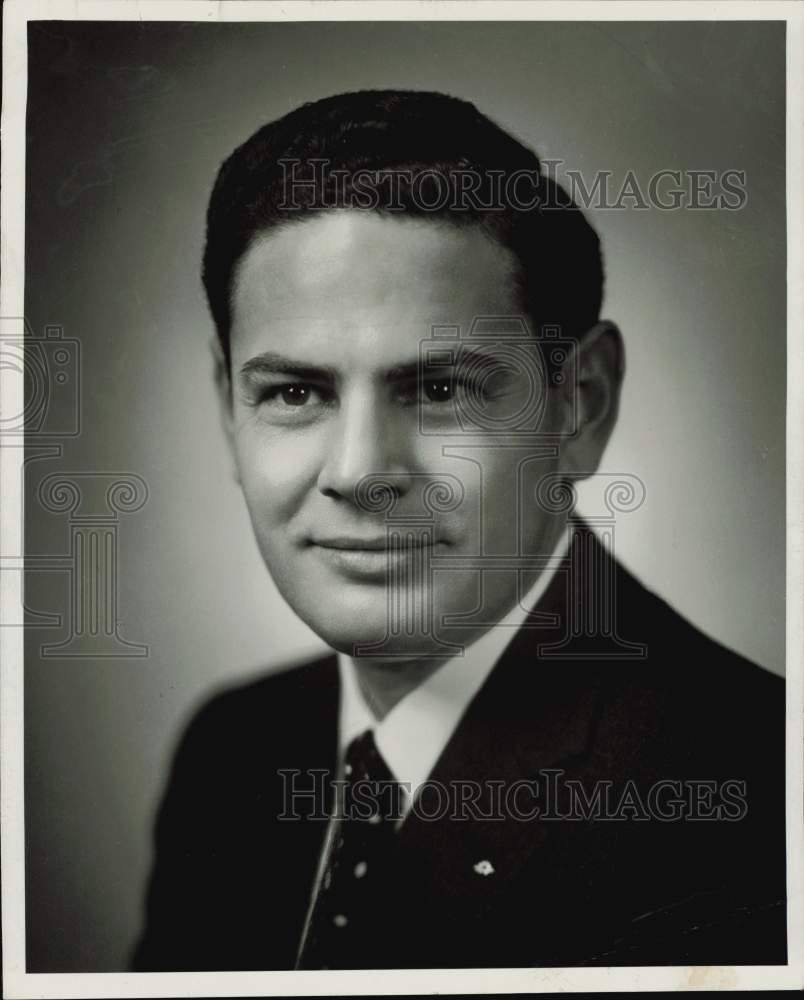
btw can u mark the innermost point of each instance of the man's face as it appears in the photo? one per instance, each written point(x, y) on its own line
point(329, 318)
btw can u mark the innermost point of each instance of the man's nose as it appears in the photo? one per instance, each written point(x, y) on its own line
point(367, 439)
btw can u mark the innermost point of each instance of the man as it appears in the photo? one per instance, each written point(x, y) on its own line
point(518, 755)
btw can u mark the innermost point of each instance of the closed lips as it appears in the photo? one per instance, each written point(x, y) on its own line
point(367, 544)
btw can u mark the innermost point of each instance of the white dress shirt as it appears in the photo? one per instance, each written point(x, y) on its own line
point(413, 734)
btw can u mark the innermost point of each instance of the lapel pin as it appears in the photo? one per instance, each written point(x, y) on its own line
point(484, 868)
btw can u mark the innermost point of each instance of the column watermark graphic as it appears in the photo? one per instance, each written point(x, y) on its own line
point(91, 502)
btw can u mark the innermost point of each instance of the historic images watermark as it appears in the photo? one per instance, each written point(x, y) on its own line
point(315, 184)
point(548, 796)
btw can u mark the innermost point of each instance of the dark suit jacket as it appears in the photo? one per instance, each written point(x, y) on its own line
point(231, 884)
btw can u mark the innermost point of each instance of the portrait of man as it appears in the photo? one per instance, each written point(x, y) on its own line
point(515, 754)
point(400, 578)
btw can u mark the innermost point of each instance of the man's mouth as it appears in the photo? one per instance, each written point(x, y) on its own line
point(375, 558)
point(377, 543)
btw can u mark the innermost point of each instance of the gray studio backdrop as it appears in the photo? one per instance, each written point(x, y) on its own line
point(127, 124)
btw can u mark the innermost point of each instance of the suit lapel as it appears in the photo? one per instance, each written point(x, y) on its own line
point(530, 716)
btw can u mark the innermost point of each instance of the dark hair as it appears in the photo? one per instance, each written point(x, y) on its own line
point(392, 151)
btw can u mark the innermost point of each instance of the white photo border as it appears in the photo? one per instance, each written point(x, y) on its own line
point(19, 983)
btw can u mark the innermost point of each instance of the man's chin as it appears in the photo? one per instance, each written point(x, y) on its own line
point(342, 623)
point(363, 639)
point(374, 639)
point(359, 621)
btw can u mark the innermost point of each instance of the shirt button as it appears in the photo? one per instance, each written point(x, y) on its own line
point(340, 920)
point(360, 869)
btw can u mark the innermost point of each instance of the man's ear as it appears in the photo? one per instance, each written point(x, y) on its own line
point(223, 387)
point(596, 381)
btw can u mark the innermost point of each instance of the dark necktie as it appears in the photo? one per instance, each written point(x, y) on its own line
point(348, 909)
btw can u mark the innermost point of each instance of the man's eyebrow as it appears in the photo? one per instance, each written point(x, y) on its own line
point(441, 358)
point(270, 363)
point(403, 372)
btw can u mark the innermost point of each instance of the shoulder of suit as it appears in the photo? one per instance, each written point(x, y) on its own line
point(692, 677)
point(254, 705)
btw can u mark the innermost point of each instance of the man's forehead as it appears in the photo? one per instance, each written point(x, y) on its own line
point(360, 266)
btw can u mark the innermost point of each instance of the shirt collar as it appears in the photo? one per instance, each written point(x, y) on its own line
point(413, 734)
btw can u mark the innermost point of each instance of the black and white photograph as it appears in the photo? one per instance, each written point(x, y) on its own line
point(402, 498)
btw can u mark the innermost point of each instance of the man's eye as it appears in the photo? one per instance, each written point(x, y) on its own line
point(294, 394)
point(438, 390)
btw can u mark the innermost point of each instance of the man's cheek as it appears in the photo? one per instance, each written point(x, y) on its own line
point(275, 477)
point(271, 503)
